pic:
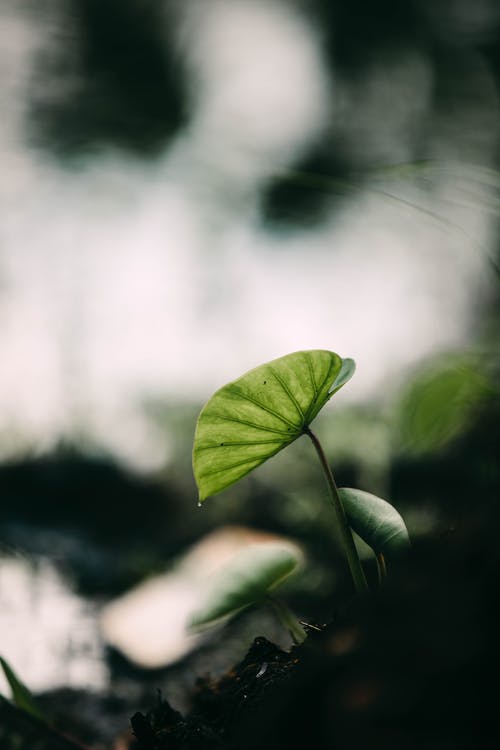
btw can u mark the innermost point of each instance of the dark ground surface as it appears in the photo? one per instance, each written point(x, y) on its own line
point(412, 666)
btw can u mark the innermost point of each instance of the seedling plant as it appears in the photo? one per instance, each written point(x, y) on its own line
point(250, 420)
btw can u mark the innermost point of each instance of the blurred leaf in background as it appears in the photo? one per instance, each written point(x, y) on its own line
point(441, 401)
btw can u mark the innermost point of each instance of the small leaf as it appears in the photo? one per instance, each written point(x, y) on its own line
point(375, 520)
point(250, 575)
point(21, 696)
point(251, 419)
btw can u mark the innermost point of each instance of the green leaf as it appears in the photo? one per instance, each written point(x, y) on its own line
point(441, 402)
point(21, 696)
point(251, 419)
point(375, 520)
point(250, 575)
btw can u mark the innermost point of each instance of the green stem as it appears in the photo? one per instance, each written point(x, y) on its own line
point(357, 572)
point(381, 567)
point(288, 620)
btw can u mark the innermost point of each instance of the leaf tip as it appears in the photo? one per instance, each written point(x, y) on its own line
point(347, 370)
point(350, 363)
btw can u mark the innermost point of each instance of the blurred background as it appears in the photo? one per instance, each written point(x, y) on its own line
point(189, 189)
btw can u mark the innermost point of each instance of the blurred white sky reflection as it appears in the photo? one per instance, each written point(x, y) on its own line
point(124, 280)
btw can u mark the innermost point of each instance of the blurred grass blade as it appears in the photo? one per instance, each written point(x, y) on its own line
point(21, 696)
point(376, 521)
point(247, 579)
point(251, 419)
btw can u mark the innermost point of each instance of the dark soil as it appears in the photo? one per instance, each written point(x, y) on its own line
point(410, 667)
point(218, 707)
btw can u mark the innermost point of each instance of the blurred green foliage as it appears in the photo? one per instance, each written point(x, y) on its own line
point(441, 401)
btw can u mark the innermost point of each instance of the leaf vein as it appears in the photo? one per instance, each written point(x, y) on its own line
point(262, 406)
point(248, 423)
point(313, 379)
point(243, 443)
point(254, 459)
point(319, 389)
point(394, 534)
point(288, 393)
point(328, 374)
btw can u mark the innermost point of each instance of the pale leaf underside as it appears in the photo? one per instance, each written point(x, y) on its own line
point(249, 577)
